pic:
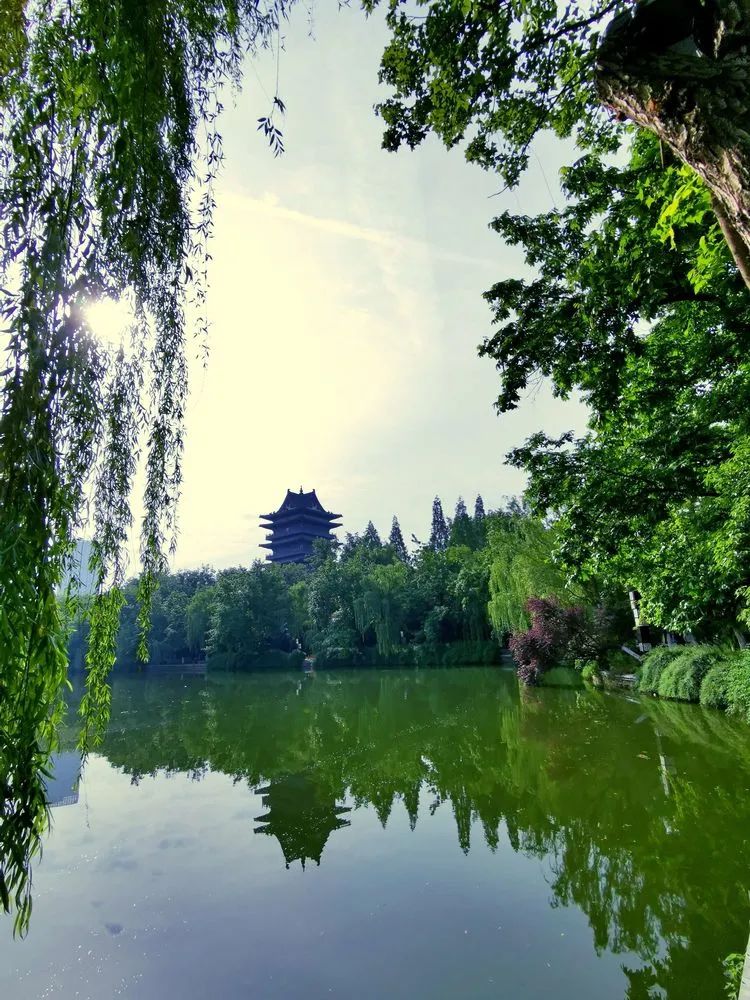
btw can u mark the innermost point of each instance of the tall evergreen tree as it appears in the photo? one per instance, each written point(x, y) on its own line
point(396, 539)
point(351, 541)
point(479, 513)
point(439, 534)
point(371, 537)
point(462, 528)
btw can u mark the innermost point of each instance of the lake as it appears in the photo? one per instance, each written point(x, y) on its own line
point(391, 834)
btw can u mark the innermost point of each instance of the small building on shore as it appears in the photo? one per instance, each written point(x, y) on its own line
point(295, 526)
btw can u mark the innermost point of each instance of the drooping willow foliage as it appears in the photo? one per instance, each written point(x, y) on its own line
point(378, 606)
point(108, 149)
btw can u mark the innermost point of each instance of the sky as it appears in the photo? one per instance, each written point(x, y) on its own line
point(346, 307)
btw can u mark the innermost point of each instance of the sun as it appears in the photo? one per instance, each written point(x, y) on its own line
point(109, 320)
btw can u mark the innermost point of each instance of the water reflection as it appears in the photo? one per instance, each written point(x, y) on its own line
point(62, 785)
point(639, 808)
point(301, 815)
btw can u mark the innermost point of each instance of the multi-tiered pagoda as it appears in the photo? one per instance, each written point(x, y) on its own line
point(298, 522)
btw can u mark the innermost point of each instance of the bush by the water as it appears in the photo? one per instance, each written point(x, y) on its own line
point(562, 677)
point(738, 686)
point(680, 680)
point(715, 687)
point(426, 654)
point(558, 636)
point(590, 670)
point(654, 665)
point(716, 677)
point(271, 659)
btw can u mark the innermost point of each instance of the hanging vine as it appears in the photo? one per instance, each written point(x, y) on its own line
point(108, 136)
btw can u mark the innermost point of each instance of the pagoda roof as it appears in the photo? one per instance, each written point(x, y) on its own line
point(313, 529)
point(299, 537)
point(299, 503)
point(301, 522)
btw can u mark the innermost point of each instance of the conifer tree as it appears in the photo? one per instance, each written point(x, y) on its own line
point(462, 528)
point(479, 514)
point(371, 538)
point(396, 539)
point(351, 541)
point(440, 534)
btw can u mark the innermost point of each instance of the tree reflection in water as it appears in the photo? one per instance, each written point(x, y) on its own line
point(639, 807)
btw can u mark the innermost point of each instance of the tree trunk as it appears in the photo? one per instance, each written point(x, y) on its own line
point(694, 95)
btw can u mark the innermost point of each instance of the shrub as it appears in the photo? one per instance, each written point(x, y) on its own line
point(681, 678)
point(733, 966)
point(558, 636)
point(653, 666)
point(580, 664)
point(271, 659)
point(714, 687)
point(590, 670)
point(738, 687)
point(338, 656)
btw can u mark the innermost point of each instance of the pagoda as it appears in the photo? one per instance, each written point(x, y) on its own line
point(298, 522)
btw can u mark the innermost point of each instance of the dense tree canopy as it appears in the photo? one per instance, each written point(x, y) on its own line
point(639, 298)
point(492, 76)
point(361, 603)
point(654, 496)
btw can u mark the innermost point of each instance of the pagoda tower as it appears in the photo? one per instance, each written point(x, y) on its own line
point(295, 525)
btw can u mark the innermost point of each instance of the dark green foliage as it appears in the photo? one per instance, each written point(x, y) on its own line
point(431, 654)
point(738, 687)
point(462, 527)
point(371, 536)
point(637, 245)
point(619, 662)
point(457, 654)
point(360, 605)
point(490, 77)
point(271, 659)
point(439, 531)
point(479, 513)
point(251, 613)
point(654, 663)
point(338, 658)
point(563, 677)
point(681, 678)
point(733, 966)
point(631, 295)
point(726, 685)
point(714, 691)
point(590, 670)
point(396, 540)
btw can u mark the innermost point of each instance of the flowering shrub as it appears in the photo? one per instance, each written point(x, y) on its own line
point(558, 636)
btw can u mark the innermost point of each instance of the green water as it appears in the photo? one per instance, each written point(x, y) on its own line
point(428, 834)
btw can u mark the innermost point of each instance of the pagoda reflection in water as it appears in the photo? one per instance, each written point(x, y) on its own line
point(301, 815)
